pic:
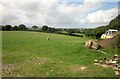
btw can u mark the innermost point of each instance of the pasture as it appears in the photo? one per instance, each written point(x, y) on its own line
point(30, 54)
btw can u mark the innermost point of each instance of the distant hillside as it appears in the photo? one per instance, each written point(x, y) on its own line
point(97, 32)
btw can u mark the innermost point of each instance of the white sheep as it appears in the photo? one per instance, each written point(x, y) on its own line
point(48, 38)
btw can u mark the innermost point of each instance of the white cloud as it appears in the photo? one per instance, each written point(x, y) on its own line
point(59, 0)
point(82, 8)
point(102, 16)
point(53, 13)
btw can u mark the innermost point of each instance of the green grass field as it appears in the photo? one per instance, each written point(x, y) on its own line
point(31, 54)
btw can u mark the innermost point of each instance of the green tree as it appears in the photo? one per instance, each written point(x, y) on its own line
point(34, 27)
point(15, 28)
point(2, 27)
point(8, 27)
point(22, 27)
point(70, 31)
point(44, 28)
point(51, 30)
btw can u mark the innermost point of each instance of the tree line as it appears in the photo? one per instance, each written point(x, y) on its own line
point(71, 32)
point(95, 33)
point(23, 27)
point(44, 28)
point(20, 27)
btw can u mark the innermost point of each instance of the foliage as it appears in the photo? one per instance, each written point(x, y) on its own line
point(22, 27)
point(51, 30)
point(8, 27)
point(97, 32)
point(44, 28)
point(15, 28)
point(71, 31)
point(34, 27)
point(2, 27)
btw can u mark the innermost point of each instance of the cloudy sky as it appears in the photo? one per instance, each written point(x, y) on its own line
point(58, 13)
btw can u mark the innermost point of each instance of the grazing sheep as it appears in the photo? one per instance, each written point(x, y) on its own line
point(48, 38)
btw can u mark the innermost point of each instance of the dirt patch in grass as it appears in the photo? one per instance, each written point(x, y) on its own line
point(37, 60)
point(7, 68)
point(17, 70)
point(77, 68)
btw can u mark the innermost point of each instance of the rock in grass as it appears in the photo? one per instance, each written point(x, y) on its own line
point(82, 68)
point(61, 62)
point(18, 75)
point(96, 61)
point(117, 72)
point(92, 45)
point(47, 73)
point(51, 70)
point(113, 62)
point(104, 65)
point(95, 45)
point(108, 62)
point(97, 64)
point(88, 44)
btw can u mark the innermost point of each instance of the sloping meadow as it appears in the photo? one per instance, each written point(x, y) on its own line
point(30, 54)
